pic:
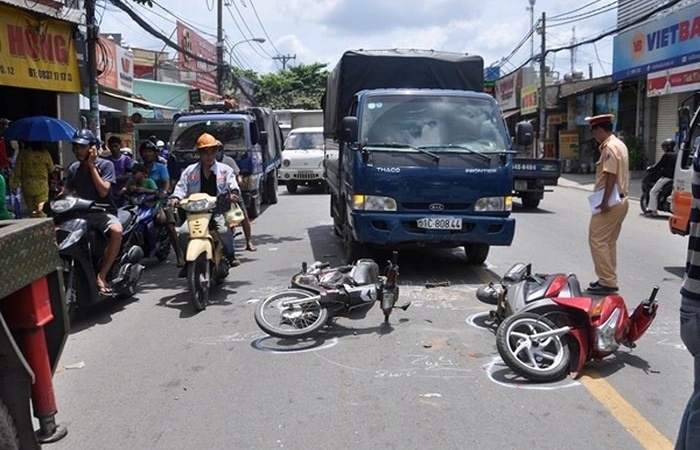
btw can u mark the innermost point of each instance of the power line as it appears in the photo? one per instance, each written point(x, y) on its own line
point(263, 27)
point(558, 17)
point(250, 32)
point(581, 17)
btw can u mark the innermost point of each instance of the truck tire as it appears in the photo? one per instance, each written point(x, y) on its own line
point(271, 188)
point(292, 187)
point(531, 200)
point(255, 206)
point(476, 253)
point(8, 432)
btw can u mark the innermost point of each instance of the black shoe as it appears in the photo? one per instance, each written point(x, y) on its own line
point(594, 284)
point(601, 289)
point(233, 261)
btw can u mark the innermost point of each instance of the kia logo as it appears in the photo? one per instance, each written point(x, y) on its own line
point(436, 207)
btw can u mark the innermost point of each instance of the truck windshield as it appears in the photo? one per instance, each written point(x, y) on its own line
point(304, 140)
point(231, 133)
point(440, 123)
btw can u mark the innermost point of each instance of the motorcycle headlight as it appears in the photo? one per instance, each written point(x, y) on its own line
point(494, 204)
point(62, 205)
point(373, 203)
point(605, 333)
point(71, 239)
point(199, 206)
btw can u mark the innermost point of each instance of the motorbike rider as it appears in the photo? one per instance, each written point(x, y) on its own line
point(211, 177)
point(664, 168)
point(91, 178)
point(158, 172)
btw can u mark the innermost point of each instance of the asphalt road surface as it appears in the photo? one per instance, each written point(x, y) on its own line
point(149, 373)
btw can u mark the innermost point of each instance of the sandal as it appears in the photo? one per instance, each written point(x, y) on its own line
point(103, 289)
point(250, 247)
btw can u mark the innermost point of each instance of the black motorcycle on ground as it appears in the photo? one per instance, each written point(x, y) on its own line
point(664, 197)
point(81, 249)
point(319, 293)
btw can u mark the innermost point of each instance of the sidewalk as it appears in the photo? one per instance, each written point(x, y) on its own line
point(585, 181)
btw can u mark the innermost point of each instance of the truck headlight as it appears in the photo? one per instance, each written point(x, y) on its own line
point(494, 204)
point(373, 203)
point(285, 163)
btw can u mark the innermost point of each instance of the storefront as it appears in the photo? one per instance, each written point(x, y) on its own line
point(664, 56)
point(38, 67)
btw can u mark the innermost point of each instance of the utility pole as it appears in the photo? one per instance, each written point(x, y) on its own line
point(543, 85)
point(531, 8)
point(573, 49)
point(220, 46)
point(284, 59)
point(93, 34)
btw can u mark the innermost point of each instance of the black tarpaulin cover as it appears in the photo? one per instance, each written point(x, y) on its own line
point(371, 69)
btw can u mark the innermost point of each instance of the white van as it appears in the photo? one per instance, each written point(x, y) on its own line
point(302, 158)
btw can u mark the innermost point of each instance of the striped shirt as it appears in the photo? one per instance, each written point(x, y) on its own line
point(691, 282)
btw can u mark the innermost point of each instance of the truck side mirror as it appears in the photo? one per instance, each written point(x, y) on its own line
point(350, 129)
point(523, 134)
point(683, 124)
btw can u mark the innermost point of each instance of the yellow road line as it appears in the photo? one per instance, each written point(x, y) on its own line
point(640, 428)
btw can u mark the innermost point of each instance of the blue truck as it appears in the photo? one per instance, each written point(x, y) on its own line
point(252, 137)
point(424, 158)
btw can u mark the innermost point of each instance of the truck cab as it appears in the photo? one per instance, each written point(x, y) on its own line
point(252, 137)
point(688, 146)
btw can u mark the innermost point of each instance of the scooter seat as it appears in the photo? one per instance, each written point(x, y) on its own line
point(125, 217)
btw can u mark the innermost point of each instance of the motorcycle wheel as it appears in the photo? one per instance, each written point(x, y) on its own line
point(542, 360)
point(198, 281)
point(8, 431)
point(162, 245)
point(297, 321)
point(644, 201)
point(76, 284)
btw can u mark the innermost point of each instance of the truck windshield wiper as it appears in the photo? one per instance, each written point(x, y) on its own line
point(461, 147)
point(402, 145)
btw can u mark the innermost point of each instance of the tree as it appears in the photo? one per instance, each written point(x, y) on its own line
point(300, 87)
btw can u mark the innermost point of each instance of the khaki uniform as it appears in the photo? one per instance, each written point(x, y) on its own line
point(604, 228)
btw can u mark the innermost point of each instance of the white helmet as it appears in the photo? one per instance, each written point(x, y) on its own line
point(160, 144)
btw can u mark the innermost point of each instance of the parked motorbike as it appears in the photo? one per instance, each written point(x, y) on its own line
point(548, 328)
point(152, 237)
point(664, 197)
point(205, 252)
point(318, 293)
point(81, 249)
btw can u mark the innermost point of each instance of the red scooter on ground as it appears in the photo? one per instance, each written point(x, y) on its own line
point(553, 330)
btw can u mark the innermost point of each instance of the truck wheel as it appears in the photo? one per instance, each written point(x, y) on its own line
point(8, 432)
point(476, 253)
point(353, 250)
point(531, 200)
point(292, 187)
point(272, 185)
point(255, 206)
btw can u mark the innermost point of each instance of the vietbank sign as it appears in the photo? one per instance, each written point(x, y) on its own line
point(670, 41)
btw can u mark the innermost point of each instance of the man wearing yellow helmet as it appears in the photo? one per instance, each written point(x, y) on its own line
point(213, 178)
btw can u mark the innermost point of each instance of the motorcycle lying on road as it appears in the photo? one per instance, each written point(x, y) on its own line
point(319, 293)
point(204, 254)
point(81, 249)
point(664, 197)
point(549, 329)
point(148, 234)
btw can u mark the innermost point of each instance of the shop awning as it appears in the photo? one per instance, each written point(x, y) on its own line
point(85, 105)
point(510, 113)
point(137, 101)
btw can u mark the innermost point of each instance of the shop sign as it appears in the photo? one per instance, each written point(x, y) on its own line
point(660, 44)
point(568, 144)
point(673, 81)
point(201, 74)
point(506, 89)
point(116, 66)
point(556, 119)
point(528, 99)
point(37, 54)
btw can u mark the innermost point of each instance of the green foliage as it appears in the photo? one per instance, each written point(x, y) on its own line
point(637, 159)
point(300, 87)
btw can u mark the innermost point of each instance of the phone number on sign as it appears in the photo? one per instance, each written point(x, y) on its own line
point(53, 75)
point(7, 70)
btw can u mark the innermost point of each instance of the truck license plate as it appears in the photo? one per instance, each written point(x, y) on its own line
point(520, 185)
point(440, 223)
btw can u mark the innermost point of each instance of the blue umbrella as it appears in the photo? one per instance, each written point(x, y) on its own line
point(39, 128)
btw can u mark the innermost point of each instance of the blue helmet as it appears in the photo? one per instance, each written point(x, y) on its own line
point(84, 137)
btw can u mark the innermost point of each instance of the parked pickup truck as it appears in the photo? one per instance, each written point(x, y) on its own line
point(531, 176)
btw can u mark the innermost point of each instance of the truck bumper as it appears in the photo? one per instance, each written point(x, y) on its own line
point(383, 229)
point(300, 176)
